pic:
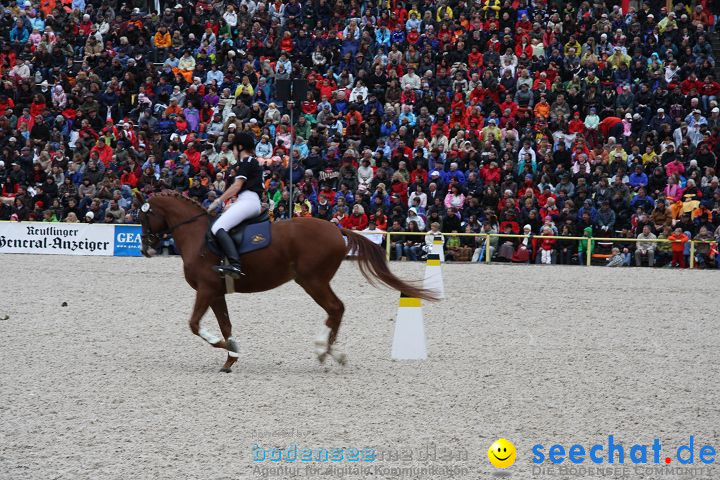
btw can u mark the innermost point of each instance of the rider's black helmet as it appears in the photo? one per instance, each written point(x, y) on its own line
point(245, 142)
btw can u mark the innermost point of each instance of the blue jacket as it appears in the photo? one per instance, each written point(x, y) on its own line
point(382, 37)
point(397, 37)
point(348, 196)
point(460, 176)
point(593, 213)
point(638, 180)
point(19, 35)
point(386, 199)
point(412, 120)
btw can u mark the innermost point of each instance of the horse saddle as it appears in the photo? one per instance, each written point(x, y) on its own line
point(252, 234)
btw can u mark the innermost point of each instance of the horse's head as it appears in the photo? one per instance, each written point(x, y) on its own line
point(154, 226)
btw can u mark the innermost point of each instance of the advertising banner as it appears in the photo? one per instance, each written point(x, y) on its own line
point(69, 239)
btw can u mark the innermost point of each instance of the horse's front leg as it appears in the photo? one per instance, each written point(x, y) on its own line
point(203, 300)
point(219, 308)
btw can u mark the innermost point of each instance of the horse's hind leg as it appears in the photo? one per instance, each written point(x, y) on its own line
point(323, 295)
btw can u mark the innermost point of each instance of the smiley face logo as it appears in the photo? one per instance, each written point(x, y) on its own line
point(502, 453)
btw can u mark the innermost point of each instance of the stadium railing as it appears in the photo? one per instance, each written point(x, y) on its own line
point(488, 237)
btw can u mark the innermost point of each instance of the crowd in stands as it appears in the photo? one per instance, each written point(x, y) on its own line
point(494, 116)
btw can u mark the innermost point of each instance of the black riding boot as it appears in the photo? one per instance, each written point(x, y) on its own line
point(228, 247)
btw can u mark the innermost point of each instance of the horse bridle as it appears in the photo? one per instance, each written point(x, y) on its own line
point(151, 238)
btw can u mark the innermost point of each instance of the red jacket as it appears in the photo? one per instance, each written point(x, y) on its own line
point(421, 175)
point(687, 85)
point(490, 174)
point(547, 243)
point(710, 88)
point(105, 153)
point(401, 189)
point(129, 179)
point(475, 60)
point(355, 222)
point(576, 126)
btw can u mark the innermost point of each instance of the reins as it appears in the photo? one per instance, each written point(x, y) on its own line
point(153, 236)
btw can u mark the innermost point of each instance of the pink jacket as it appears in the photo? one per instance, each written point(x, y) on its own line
point(674, 167)
point(673, 192)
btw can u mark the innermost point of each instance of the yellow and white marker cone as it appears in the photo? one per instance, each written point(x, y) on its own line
point(409, 339)
point(433, 275)
point(438, 247)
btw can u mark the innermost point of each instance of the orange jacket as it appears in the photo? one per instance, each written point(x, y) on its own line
point(177, 110)
point(542, 110)
point(162, 40)
point(678, 242)
point(47, 6)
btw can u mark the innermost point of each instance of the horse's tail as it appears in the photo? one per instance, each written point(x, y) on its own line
point(373, 265)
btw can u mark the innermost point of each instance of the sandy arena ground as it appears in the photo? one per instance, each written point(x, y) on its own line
point(114, 386)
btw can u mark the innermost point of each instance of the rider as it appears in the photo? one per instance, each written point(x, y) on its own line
point(248, 188)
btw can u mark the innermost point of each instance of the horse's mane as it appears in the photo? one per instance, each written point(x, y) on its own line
point(179, 196)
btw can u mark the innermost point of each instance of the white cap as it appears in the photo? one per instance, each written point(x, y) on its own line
point(715, 110)
point(660, 110)
point(90, 215)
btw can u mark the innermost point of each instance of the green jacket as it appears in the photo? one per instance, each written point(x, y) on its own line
point(583, 244)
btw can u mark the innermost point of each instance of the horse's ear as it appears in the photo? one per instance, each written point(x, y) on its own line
point(140, 197)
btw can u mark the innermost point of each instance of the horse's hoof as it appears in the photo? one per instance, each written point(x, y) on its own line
point(225, 370)
point(321, 357)
point(340, 358)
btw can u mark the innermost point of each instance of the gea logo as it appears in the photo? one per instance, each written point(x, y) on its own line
point(128, 237)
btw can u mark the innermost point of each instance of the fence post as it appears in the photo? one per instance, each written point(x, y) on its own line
point(487, 248)
point(387, 245)
point(692, 253)
point(589, 252)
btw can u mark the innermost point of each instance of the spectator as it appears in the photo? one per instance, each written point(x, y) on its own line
point(678, 239)
point(616, 258)
point(645, 247)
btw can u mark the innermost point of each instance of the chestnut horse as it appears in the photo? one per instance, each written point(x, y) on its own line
point(306, 250)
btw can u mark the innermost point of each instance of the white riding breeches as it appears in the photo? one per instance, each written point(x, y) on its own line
point(246, 206)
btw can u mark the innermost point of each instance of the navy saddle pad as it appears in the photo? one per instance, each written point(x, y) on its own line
point(252, 234)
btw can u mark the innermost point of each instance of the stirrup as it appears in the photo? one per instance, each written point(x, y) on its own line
point(229, 269)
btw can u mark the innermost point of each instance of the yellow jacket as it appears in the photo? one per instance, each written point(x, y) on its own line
point(244, 89)
point(576, 46)
point(162, 40)
point(441, 11)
